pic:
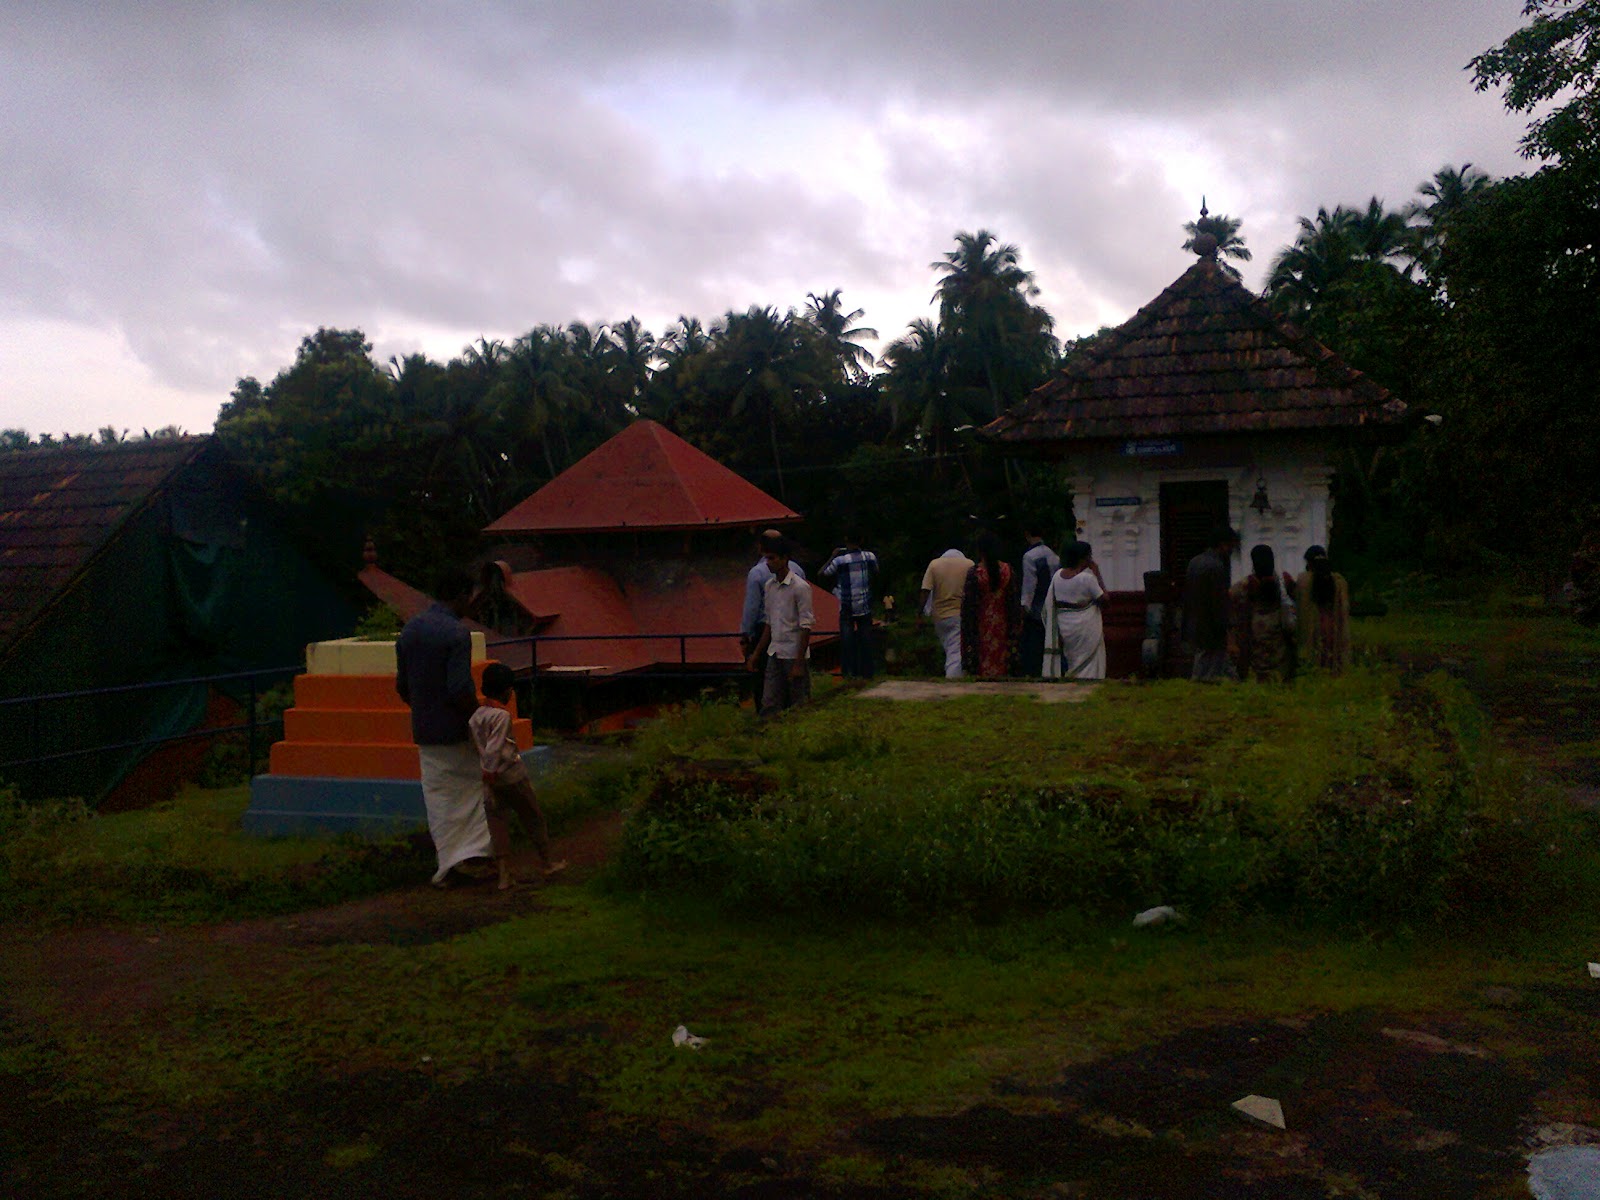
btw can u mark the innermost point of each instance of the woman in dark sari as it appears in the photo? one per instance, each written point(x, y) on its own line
point(1264, 619)
point(1324, 600)
point(988, 614)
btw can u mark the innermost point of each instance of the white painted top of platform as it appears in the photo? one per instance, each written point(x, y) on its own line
point(360, 656)
point(952, 689)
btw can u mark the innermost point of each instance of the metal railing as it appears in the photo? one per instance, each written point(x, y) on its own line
point(532, 641)
point(34, 706)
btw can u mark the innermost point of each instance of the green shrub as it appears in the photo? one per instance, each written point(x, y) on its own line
point(380, 623)
point(227, 759)
point(1361, 800)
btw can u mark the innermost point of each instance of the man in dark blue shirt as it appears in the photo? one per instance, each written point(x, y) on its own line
point(433, 674)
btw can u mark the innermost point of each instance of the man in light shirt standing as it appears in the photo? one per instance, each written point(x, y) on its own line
point(754, 614)
point(944, 583)
point(784, 648)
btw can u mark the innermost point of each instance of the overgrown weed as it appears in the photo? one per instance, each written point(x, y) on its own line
point(1368, 800)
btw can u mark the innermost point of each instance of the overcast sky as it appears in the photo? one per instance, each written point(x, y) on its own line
point(188, 189)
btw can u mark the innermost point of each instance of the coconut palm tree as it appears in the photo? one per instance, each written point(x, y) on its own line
point(1226, 230)
point(978, 273)
point(839, 336)
point(1000, 341)
point(1332, 250)
point(766, 367)
point(923, 399)
point(631, 362)
point(1444, 198)
point(537, 390)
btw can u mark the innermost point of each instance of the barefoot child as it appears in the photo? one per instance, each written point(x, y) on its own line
point(505, 777)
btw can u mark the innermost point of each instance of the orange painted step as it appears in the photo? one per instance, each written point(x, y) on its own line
point(391, 726)
point(347, 691)
point(346, 760)
point(358, 691)
point(385, 726)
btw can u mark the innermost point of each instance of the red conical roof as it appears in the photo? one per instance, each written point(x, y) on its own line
point(644, 478)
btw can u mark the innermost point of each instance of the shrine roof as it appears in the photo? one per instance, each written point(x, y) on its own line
point(1206, 356)
point(644, 478)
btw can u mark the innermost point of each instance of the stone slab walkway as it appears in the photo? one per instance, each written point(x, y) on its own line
point(950, 689)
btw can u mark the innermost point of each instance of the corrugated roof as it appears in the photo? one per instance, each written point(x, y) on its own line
point(1206, 356)
point(581, 602)
point(644, 478)
point(61, 505)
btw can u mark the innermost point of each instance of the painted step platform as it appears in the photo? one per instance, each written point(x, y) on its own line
point(346, 763)
point(310, 805)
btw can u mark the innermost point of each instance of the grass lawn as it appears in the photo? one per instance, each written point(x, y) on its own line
point(416, 1043)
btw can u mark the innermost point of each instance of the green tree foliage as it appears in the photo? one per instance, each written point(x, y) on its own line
point(1441, 200)
point(1348, 280)
point(1554, 59)
point(1504, 350)
point(1513, 462)
point(421, 454)
point(1001, 344)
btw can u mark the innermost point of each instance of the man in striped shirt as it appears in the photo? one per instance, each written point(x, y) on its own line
point(854, 573)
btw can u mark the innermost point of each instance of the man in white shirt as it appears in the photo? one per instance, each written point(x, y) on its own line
point(750, 620)
point(944, 583)
point(784, 648)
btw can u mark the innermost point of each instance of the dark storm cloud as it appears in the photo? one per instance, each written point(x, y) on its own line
point(214, 181)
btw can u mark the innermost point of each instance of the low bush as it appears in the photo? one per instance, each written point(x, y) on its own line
point(1349, 800)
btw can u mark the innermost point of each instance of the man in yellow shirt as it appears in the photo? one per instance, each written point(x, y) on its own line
point(945, 582)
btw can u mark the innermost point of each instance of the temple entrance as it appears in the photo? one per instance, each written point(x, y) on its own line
point(1189, 511)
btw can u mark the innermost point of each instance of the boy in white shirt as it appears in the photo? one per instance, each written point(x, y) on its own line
point(505, 776)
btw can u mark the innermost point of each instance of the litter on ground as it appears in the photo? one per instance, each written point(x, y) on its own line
point(1159, 915)
point(1261, 1108)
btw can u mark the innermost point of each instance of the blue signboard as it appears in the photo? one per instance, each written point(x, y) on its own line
point(1151, 448)
point(1117, 501)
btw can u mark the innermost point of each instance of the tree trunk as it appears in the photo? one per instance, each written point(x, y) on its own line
point(777, 462)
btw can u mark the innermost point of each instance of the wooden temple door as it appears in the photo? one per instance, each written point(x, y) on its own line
point(1189, 512)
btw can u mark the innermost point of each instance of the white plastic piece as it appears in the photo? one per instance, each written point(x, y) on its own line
point(682, 1037)
point(1261, 1108)
point(1157, 916)
point(1594, 970)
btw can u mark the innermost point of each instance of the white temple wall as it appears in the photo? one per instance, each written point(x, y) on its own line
point(1117, 503)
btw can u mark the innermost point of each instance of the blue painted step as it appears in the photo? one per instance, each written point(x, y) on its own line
point(310, 805)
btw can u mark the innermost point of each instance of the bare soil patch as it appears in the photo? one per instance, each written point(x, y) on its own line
point(1430, 1115)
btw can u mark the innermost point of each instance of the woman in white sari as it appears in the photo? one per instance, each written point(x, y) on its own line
point(1075, 643)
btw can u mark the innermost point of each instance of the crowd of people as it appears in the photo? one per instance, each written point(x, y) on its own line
point(1266, 626)
point(1043, 620)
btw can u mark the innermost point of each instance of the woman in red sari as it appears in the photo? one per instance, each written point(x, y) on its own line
point(989, 614)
